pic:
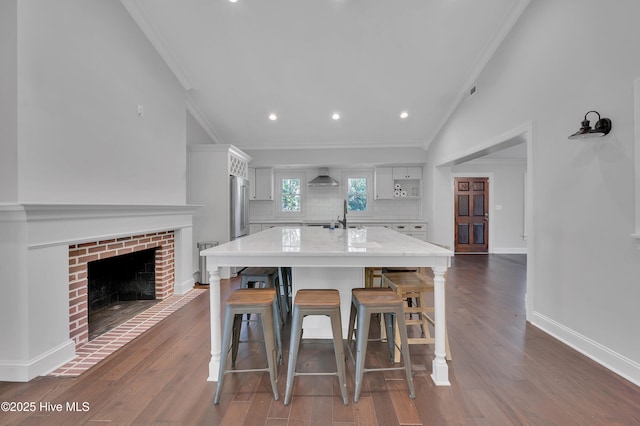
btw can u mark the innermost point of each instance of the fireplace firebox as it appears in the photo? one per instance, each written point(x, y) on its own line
point(122, 278)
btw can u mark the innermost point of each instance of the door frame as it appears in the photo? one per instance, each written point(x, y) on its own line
point(489, 176)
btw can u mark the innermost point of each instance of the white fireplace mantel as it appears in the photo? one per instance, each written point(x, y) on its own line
point(52, 224)
point(34, 265)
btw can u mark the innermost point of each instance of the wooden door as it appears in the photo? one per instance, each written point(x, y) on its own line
point(471, 215)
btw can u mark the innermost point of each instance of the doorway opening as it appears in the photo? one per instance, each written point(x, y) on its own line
point(471, 210)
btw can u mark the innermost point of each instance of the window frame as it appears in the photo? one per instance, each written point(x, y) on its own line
point(290, 174)
point(354, 174)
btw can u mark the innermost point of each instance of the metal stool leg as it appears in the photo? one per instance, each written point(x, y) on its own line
point(352, 323)
point(270, 342)
point(276, 327)
point(362, 337)
point(226, 342)
point(235, 342)
point(338, 348)
point(296, 335)
point(405, 353)
point(389, 320)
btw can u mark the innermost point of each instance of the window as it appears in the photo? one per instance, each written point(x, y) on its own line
point(291, 195)
point(359, 186)
point(357, 194)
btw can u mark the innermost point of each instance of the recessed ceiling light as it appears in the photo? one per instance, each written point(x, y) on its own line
point(404, 114)
point(335, 116)
point(272, 117)
point(233, 1)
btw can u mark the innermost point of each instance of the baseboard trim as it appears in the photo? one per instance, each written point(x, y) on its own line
point(184, 287)
point(510, 250)
point(23, 371)
point(604, 356)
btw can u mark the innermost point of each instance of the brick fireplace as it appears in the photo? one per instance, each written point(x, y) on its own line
point(45, 253)
point(80, 255)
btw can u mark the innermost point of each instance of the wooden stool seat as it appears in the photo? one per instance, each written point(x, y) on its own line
point(250, 298)
point(317, 302)
point(364, 303)
point(259, 301)
point(317, 298)
point(415, 286)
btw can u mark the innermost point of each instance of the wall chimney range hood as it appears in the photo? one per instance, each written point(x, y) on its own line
point(323, 179)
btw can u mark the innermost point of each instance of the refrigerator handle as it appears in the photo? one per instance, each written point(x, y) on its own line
point(245, 206)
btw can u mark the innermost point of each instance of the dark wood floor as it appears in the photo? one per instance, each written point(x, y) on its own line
point(504, 371)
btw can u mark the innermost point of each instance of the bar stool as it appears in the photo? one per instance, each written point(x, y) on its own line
point(316, 302)
point(367, 301)
point(415, 286)
point(245, 301)
point(265, 278)
point(268, 278)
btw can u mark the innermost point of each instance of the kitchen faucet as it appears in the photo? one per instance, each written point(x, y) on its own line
point(344, 221)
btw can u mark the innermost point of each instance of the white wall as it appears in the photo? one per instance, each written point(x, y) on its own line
point(336, 157)
point(84, 67)
point(8, 101)
point(561, 60)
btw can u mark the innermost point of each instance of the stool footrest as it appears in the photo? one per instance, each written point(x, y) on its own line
point(335, 373)
point(248, 370)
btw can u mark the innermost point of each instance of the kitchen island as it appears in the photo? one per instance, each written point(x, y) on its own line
point(325, 258)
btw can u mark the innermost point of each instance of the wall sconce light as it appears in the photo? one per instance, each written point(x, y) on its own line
point(602, 127)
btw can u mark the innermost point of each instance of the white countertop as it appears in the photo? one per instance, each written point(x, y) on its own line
point(338, 245)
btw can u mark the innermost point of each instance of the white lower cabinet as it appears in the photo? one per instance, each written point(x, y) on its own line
point(415, 230)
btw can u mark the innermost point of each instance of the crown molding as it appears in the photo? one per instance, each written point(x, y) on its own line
point(195, 112)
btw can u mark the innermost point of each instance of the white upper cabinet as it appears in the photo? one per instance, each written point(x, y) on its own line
point(398, 182)
point(407, 173)
point(261, 183)
point(384, 183)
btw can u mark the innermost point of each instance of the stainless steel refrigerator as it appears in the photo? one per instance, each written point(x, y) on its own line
point(239, 207)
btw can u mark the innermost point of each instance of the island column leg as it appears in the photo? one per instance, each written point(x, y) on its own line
point(440, 369)
point(216, 336)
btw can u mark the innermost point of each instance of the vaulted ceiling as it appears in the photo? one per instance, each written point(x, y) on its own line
point(305, 60)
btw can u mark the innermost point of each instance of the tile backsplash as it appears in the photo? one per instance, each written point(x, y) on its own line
point(327, 204)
